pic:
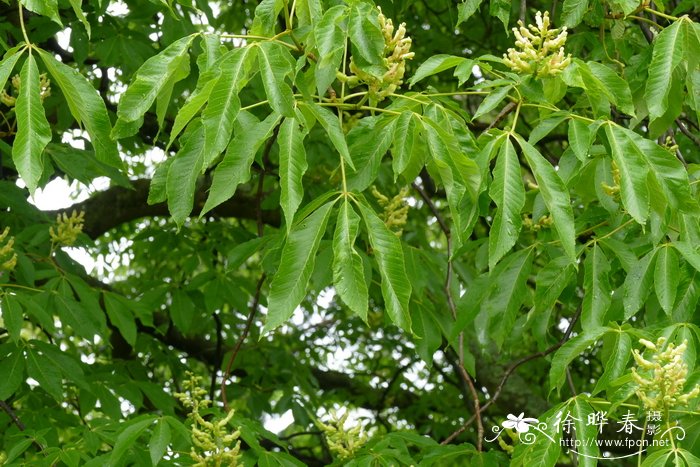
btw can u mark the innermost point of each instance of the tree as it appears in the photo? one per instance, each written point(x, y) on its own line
point(403, 235)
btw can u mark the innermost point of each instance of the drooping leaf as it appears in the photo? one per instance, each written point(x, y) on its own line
point(195, 102)
point(406, 142)
point(292, 167)
point(47, 375)
point(555, 195)
point(33, 130)
point(12, 371)
point(12, 315)
point(368, 142)
point(508, 192)
point(276, 63)
point(633, 176)
point(150, 79)
point(265, 20)
point(121, 317)
point(668, 54)
point(491, 101)
point(616, 361)
point(224, 104)
point(466, 9)
point(6, 66)
point(396, 288)
point(159, 441)
point(329, 121)
point(507, 292)
point(666, 277)
point(434, 65)
point(579, 138)
point(348, 272)
point(581, 411)
point(289, 285)
point(330, 38)
point(87, 108)
point(570, 350)
point(182, 176)
point(127, 437)
point(596, 285)
point(638, 284)
point(234, 169)
point(365, 33)
point(573, 11)
point(48, 8)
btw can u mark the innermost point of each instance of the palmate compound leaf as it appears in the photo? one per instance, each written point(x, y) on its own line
point(150, 80)
point(508, 192)
point(234, 169)
point(289, 285)
point(348, 272)
point(33, 130)
point(87, 108)
point(555, 195)
point(396, 288)
point(292, 167)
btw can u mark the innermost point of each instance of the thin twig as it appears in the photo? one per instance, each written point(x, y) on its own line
point(684, 129)
point(13, 416)
point(509, 371)
point(501, 115)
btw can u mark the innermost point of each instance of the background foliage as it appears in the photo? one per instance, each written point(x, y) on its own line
point(420, 233)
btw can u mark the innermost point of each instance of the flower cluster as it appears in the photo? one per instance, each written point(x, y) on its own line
point(67, 228)
point(397, 49)
point(544, 222)
point(342, 443)
point(660, 386)
point(214, 445)
point(395, 209)
point(8, 257)
point(541, 49)
point(44, 90)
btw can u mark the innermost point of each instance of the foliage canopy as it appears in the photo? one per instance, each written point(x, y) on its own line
point(310, 208)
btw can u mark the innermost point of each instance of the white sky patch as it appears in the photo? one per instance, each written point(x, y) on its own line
point(277, 423)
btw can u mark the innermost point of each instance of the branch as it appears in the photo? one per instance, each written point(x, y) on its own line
point(514, 366)
point(117, 205)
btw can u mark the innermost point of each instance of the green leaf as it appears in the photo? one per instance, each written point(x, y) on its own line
point(668, 54)
point(265, 20)
point(368, 142)
point(195, 102)
point(365, 33)
point(182, 176)
point(12, 315)
point(689, 253)
point(596, 285)
point(616, 361)
point(292, 167)
point(330, 41)
point(501, 10)
point(491, 101)
point(406, 142)
point(75, 4)
point(127, 438)
point(84, 322)
point(573, 11)
point(609, 83)
point(545, 126)
point(45, 373)
point(434, 65)
point(580, 138)
point(121, 317)
point(550, 283)
point(150, 80)
point(6, 66)
point(33, 130)
point(234, 169)
point(396, 288)
point(466, 9)
point(555, 195)
point(633, 175)
point(638, 284)
point(12, 371)
point(329, 121)
point(87, 107)
point(348, 272)
point(159, 441)
point(182, 310)
point(508, 192)
point(224, 104)
point(570, 350)
point(289, 285)
point(276, 63)
point(48, 8)
point(507, 291)
point(585, 431)
point(666, 277)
